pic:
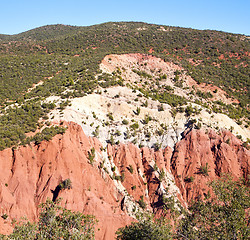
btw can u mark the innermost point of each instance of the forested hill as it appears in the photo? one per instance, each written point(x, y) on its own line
point(43, 33)
point(66, 57)
point(209, 56)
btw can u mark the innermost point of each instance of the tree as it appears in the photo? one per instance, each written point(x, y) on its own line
point(221, 217)
point(138, 110)
point(146, 228)
point(56, 222)
point(161, 175)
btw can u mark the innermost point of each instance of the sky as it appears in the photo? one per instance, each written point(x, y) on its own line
point(233, 16)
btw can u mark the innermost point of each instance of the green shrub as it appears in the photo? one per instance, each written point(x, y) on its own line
point(146, 120)
point(221, 217)
point(122, 177)
point(133, 187)
point(110, 116)
point(157, 146)
point(142, 203)
point(4, 216)
point(91, 155)
point(189, 179)
point(147, 227)
point(66, 184)
point(138, 110)
point(125, 122)
point(204, 170)
point(161, 175)
point(160, 108)
point(134, 126)
point(131, 169)
point(56, 222)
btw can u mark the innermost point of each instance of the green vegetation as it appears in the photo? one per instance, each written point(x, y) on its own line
point(66, 184)
point(96, 132)
point(142, 203)
point(4, 216)
point(125, 122)
point(133, 187)
point(222, 217)
point(189, 179)
point(204, 170)
point(142, 74)
point(55, 222)
point(65, 60)
point(146, 228)
point(46, 134)
point(138, 110)
point(17, 121)
point(131, 169)
point(134, 126)
point(157, 146)
point(91, 155)
point(161, 175)
point(110, 116)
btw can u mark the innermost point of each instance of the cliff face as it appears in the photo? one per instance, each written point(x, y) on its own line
point(31, 174)
point(118, 177)
point(204, 156)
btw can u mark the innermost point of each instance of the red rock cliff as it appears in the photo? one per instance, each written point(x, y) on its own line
point(30, 175)
point(218, 153)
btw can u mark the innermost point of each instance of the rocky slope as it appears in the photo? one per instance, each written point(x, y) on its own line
point(125, 152)
point(111, 184)
point(132, 67)
point(31, 174)
point(102, 113)
point(203, 156)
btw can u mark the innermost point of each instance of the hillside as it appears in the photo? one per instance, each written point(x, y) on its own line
point(132, 113)
point(66, 57)
point(109, 182)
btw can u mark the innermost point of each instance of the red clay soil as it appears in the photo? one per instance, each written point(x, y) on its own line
point(148, 62)
point(222, 153)
point(30, 175)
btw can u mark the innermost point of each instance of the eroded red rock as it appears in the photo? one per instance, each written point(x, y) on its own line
point(30, 175)
point(219, 153)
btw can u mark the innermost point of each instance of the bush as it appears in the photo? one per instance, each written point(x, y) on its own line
point(4, 216)
point(125, 122)
point(189, 179)
point(54, 223)
point(134, 126)
point(91, 155)
point(66, 184)
point(141, 203)
point(110, 116)
point(157, 146)
point(222, 217)
point(138, 110)
point(161, 175)
point(146, 228)
point(204, 170)
point(146, 120)
point(160, 108)
point(131, 169)
point(96, 132)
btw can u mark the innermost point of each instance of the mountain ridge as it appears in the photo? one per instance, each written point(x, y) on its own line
point(64, 27)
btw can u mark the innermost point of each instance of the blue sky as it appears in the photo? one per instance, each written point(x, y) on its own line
point(226, 15)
